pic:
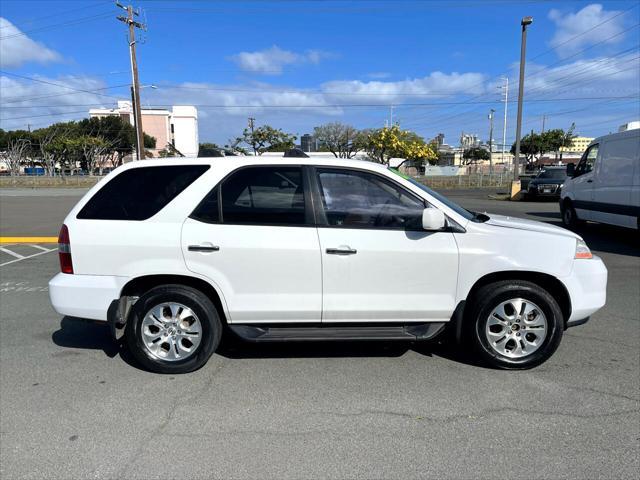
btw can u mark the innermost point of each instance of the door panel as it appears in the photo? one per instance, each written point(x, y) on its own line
point(253, 235)
point(394, 276)
point(267, 274)
point(614, 181)
point(584, 181)
point(378, 265)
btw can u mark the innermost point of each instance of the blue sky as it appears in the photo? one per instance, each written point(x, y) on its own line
point(298, 64)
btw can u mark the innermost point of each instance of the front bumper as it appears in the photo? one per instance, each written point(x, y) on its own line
point(544, 190)
point(587, 287)
point(84, 296)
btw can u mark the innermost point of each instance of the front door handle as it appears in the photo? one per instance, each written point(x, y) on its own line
point(589, 181)
point(342, 251)
point(203, 248)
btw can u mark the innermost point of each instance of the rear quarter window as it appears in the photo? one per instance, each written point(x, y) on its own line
point(140, 193)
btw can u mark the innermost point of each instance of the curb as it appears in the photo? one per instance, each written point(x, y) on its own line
point(28, 239)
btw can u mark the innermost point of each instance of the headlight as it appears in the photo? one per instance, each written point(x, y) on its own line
point(582, 251)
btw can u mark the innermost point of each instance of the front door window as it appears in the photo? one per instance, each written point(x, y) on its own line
point(356, 199)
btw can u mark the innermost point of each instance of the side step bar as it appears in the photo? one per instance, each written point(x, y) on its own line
point(297, 333)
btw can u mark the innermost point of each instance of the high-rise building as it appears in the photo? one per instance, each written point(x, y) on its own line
point(308, 143)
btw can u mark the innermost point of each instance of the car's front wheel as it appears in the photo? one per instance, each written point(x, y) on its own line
point(514, 324)
point(173, 329)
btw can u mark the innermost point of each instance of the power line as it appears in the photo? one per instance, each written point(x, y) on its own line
point(29, 98)
point(554, 63)
point(56, 25)
point(338, 105)
point(33, 79)
point(58, 14)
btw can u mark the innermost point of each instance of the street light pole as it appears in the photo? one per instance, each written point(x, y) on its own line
point(504, 126)
point(491, 112)
point(523, 49)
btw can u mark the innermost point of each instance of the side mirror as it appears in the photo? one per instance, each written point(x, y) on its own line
point(571, 169)
point(433, 219)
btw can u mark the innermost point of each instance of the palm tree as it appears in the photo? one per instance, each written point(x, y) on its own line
point(567, 139)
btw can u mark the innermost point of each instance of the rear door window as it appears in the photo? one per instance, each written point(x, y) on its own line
point(140, 193)
point(264, 196)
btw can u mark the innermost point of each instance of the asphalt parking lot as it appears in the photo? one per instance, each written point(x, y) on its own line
point(73, 407)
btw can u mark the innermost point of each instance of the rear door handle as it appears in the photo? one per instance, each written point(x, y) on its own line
point(589, 181)
point(203, 248)
point(342, 251)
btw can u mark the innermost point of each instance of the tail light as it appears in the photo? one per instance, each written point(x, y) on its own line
point(64, 250)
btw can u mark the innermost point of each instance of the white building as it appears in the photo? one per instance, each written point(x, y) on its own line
point(177, 127)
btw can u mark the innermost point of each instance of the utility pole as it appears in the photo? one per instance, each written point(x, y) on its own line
point(523, 49)
point(135, 86)
point(504, 126)
point(544, 117)
point(251, 125)
point(491, 112)
point(390, 116)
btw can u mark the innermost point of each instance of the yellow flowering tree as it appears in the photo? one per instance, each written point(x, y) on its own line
point(392, 142)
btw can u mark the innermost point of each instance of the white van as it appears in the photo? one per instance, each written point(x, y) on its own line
point(605, 185)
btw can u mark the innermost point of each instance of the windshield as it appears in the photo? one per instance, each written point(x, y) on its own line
point(553, 173)
point(453, 206)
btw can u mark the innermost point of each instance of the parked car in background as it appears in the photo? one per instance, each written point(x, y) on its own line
point(547, 183)
point(605, 185)
point(303, 249)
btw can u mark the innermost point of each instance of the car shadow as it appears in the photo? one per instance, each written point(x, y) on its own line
point(233, 347)
point(77, 333)
point(600, 237)
point(89, 335)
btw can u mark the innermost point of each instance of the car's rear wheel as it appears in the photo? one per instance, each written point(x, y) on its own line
point(173, 329)
point(514, 324)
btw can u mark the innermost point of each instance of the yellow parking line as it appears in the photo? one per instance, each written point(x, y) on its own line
point(28, 239)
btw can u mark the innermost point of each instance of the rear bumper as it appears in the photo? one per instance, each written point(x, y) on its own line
point(84, 296)
point(587, 287)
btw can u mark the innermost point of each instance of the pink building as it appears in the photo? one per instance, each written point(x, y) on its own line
point(178, 126)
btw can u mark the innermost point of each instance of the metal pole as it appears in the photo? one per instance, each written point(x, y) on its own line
point(491, 112)
point(504, 127)
point(523, 48)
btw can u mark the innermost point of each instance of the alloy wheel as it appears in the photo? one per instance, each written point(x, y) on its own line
point(171, 331)
point(516, 328)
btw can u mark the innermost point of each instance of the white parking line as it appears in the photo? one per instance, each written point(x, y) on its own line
point(41, 248)
point(25, 258)
point(13, 254)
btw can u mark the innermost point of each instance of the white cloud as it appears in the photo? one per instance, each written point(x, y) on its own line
point(585, 23)
point(600, 76)
point(40, 104)
point(272, 60)
point(432, 86)
point(17, 49)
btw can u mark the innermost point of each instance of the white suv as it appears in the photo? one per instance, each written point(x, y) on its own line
point(174, 251)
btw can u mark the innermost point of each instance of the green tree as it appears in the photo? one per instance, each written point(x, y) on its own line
point(474, 155)
point(567, 138)
point(531, 146)
point(209, 150)
point(392, 142)
point(266, 139)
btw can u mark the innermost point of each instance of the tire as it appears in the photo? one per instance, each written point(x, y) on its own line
point(182, 333)
point(569, 216)
point(525, 343)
